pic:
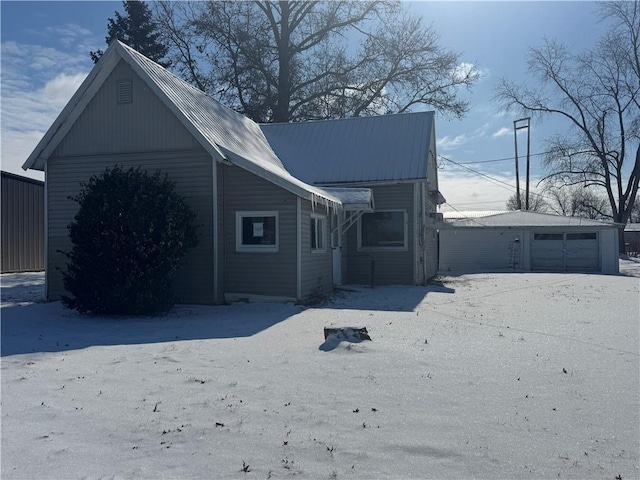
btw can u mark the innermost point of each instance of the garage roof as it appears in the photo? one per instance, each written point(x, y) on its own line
point(529, 219)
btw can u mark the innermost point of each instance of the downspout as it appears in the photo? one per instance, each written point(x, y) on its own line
point(416, 233)
point(224, 232)
point(46, 231)
point(215, 231)
point(425, 199)
point(299, 249)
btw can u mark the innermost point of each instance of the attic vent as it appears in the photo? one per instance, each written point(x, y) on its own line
point(125, 91)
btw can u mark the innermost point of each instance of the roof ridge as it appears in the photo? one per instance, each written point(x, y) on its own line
point(370, 117)
point(133, 51)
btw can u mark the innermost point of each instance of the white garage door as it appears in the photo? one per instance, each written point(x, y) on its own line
point(565, 252)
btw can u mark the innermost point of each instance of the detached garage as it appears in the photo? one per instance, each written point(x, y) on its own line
point(528, 241)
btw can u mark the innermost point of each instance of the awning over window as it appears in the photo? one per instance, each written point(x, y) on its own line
point(353, 199)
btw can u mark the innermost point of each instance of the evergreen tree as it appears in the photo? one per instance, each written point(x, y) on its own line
point(129, 237)
point(138, 30)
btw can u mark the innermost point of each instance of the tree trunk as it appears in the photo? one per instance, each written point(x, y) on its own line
point(281, 110)
point(622, 247)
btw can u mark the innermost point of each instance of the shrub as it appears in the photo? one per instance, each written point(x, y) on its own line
point(128, 237)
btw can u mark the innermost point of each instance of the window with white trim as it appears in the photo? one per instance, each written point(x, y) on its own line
point(257, 231)
point(318, 233)
point(383, 230)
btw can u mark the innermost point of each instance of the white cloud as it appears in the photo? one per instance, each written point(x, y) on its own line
point(68, 34)
point(466, 191)
point(471, 192)
point(463, 69)
point(502, 132)
point(37, 82)
point(16, 147)
point(449, 142)
point(59, 90)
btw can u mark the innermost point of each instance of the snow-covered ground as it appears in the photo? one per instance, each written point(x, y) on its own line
point(487, 376)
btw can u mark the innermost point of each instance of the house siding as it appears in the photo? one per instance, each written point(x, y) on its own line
point(142, 134)
point(393, 267)
point(258, 273)
point(430, 236)
point(426, 248)
point(106, 127)
point(317, 267)
point(191, 172)
point(477, 249)
point(22, 224)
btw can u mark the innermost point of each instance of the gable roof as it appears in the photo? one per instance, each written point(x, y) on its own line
point(528, 219)
point(223, 133)
point(355, 150)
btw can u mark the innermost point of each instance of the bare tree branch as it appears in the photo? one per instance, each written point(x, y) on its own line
point(288, 61)
point(598, 93)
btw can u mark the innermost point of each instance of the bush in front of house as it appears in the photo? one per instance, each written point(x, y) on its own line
point(129, 237)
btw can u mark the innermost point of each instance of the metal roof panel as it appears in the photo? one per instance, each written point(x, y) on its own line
point(355, 150)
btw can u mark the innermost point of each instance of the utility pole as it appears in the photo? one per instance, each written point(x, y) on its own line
point(519, 125)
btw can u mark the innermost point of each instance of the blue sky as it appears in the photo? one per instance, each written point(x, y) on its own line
point(45, 56)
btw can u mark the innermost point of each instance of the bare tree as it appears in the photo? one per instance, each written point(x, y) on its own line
point(598, 94)
point(537, 203)
point(577, 201)
point(280, 61)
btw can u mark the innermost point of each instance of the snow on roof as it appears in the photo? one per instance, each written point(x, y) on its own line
point(528, 219)
point(632, 227)
point(360, 199)
point(224, 133)
point(218, 124)
point(357, 149)
point(459, 215)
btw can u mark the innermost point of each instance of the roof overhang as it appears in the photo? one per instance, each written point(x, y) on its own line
point(73, 109)
point(353, 199)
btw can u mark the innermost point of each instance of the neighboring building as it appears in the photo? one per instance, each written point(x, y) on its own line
point(632, 238)
point(529, 241)
point(22, 224)
point(280, 217)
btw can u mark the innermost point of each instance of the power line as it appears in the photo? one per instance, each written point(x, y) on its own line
point(496, 181)
point(491, 179)
point(464, 216)
point(505, 159)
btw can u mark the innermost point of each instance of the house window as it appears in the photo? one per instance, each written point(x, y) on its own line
point(257, 231)
point(318, 233)
point(384, 230)
point(548, 236)
point(582, 236)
